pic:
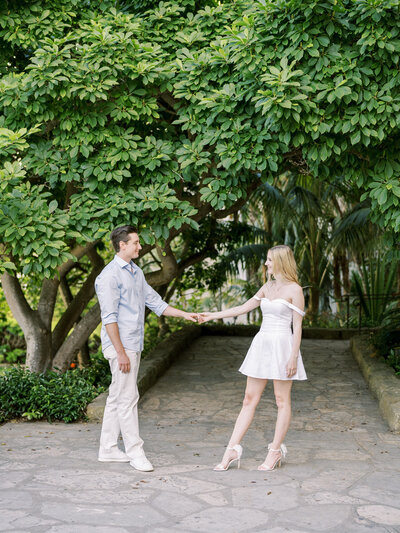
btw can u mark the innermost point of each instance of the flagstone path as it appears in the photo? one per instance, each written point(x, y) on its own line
point(342, 472)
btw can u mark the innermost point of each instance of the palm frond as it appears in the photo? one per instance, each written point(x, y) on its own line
point(374, 286)
point(354, 230)
point(269, 196)
point(244, 232)
point(303, 201)
point(250, 256)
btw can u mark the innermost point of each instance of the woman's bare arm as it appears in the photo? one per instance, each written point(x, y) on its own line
point(248, 306)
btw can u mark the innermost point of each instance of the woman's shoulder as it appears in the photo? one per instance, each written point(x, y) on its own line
point(294, 289)
point(264, 289)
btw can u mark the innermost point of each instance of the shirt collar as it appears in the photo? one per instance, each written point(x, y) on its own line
point(123, 263)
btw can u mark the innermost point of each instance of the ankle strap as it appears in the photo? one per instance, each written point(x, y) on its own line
point(235, 447)
point(282, 449)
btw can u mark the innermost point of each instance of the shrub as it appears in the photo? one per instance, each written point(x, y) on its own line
point(393, 359)
point(387, 341)
point(49, 395)
point(98, 372)
point(65, 396)
point(7, 355)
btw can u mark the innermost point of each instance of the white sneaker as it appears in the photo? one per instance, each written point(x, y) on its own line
point(141, 463)
point(115, 455)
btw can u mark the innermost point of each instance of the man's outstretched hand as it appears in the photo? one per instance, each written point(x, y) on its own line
point(205, 317)
point(193, 317)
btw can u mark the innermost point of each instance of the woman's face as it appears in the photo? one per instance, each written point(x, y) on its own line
point(269, 264)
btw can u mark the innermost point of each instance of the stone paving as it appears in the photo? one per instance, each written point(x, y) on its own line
point(341, 473)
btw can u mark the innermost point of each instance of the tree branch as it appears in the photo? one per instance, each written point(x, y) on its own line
point(169, 99)
point(203, 211)
point(79, 303)
point(66, 293)
point(168, 271)
point(78, 252)
point(73, 343)
point(20, 308)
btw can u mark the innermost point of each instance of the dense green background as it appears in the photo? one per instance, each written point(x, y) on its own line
point(170, 115)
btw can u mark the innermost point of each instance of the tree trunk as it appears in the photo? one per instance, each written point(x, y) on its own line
point(81, 332)
point(314, 294)
point(38, 348)
point(314, 302)
point(84, 355)
point(344, 264)
point(163, 328)
point(337, 288)
point(34, 324)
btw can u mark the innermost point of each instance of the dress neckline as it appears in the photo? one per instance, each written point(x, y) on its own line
point(292, 306)
point(275, 299)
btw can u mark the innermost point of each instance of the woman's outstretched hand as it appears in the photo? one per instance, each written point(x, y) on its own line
point(205, 317)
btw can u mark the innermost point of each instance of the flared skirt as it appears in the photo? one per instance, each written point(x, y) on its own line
point(268, 356)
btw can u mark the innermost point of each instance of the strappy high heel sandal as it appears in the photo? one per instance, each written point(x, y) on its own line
point(239, 450)
point(278, 461)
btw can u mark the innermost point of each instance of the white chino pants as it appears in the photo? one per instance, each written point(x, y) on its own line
point(121, 411)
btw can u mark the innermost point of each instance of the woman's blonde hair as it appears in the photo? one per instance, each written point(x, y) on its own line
point(284, 262)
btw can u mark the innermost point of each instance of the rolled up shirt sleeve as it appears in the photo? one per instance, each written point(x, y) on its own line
point(153, 300)
point(108, 294)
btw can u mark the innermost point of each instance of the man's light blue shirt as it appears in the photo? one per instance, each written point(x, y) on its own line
point(123, 293)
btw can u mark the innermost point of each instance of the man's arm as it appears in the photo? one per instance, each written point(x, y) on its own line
point(154, 302)
point(173, 311)
point(122, 358)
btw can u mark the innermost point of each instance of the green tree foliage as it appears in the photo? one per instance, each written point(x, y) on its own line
point(163, 114)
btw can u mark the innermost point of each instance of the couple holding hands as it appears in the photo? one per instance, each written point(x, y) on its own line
point(123, 294)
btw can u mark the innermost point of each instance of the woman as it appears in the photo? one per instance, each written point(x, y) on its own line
point(273, 354)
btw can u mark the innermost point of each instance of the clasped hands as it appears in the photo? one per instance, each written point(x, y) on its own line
point(200, 318)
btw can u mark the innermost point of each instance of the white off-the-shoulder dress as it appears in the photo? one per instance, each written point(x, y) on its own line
point(271, 348)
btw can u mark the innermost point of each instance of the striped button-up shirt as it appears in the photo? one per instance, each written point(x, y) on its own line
point(123, 293)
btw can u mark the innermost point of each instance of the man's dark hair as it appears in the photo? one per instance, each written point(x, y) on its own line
point(121, 234)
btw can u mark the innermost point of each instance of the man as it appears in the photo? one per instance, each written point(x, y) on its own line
point(123, 293)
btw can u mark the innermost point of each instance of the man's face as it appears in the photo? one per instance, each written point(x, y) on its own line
point(131, 248)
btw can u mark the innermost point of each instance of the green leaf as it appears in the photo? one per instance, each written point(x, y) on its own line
point(9, 265)
point(342, 91)
point(273, 165)
point(84, 150)
point(323, 40)
point(313, 52)
point(330, 28)
point(53, 206)
point(388, 170)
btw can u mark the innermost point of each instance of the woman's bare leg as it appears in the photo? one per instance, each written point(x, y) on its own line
point(254, 390)
point(282, 391)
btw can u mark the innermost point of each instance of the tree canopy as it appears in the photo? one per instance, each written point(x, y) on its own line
point(164, 114)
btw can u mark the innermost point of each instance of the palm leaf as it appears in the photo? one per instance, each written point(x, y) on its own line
point(250, 256)
point(354, 230)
